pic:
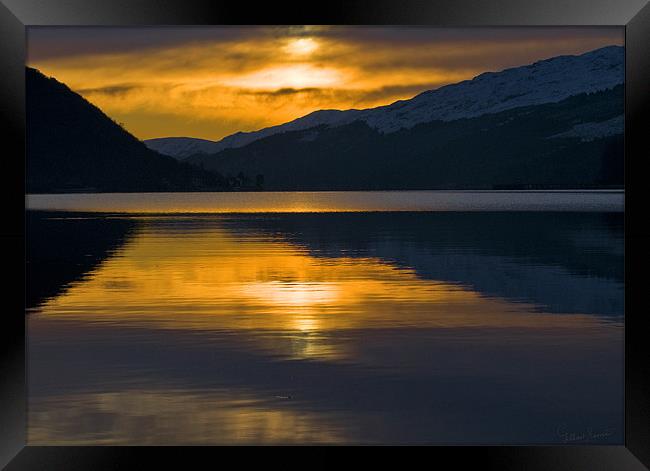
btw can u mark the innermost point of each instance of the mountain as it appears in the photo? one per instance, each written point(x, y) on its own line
point(547, 81)
point(557, 123)
point(73, 146)
point(182, 147)
point(540, 146)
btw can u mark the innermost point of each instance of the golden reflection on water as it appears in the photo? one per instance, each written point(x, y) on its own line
point(202, 280)
point(209, 279)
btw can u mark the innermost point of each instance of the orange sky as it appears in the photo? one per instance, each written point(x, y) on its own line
point(210, 82)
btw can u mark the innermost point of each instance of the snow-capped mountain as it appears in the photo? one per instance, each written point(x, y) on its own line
point(546, 81)
point(181, 147)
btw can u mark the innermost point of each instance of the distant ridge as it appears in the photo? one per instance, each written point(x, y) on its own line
point(181, 147)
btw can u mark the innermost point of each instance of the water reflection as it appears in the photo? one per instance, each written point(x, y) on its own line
point(169, 416)
point(519, 256)
point(436, 328)
point(61, 248)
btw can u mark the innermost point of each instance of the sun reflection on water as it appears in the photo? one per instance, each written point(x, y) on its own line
point(205, 330)
point(207, 278)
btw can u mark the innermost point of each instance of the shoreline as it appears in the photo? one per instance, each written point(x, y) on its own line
point(568, 190)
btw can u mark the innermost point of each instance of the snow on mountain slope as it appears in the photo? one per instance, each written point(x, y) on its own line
point(546, 81)
point(182, 147)
point(317, 118)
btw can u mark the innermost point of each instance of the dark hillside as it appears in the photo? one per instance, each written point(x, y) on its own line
point(73, 146)
point(540, 146)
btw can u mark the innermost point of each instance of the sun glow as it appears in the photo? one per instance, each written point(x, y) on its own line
point(302, 46)
point(287, 76)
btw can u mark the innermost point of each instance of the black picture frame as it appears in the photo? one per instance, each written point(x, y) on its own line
point(15, 15)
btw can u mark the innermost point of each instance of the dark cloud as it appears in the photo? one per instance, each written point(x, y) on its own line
point(45, 42)
point(414, 35)
point(285, 91)
point(327, 95)
point(113, 90)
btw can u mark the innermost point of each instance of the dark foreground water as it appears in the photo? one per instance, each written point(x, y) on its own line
point(411, 327)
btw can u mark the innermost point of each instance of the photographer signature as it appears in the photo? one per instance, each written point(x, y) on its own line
point(587, 434)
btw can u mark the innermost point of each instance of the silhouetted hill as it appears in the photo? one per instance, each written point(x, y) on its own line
point(73, 146)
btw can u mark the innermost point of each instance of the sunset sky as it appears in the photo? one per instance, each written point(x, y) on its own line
point(210, 82)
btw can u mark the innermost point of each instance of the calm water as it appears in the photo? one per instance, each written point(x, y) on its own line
point(333, 201)
point(384, 327)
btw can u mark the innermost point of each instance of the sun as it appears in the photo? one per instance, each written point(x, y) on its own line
point(301, 47)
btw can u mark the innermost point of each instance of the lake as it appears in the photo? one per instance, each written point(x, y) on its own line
point(414, 317)
point(333, 201)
